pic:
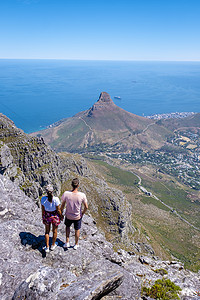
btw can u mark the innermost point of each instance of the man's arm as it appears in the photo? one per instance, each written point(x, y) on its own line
point(62, 206)
point(85, 208)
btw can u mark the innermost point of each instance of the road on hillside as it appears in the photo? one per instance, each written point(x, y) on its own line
point(144, 190)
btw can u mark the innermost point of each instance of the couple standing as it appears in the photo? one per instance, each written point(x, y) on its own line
point(52, 213)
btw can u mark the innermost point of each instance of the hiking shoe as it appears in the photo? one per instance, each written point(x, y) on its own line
point(54, 246)
point(46, 249)
point(66, 245)
point(75, 247)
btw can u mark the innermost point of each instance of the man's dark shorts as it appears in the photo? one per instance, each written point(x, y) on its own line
point(77, 223)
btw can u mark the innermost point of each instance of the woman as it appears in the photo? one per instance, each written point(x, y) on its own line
point(51, 214)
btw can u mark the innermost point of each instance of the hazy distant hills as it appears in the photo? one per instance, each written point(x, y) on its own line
point(104, 125)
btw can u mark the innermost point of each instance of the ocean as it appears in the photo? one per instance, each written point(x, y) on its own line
point(37, 93)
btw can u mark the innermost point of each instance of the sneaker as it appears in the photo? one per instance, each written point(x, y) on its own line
point(54, 246)
point(75, 247)
point(46, 249)
point(66, 245)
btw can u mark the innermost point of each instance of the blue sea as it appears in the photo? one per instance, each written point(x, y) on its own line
point(37, 93)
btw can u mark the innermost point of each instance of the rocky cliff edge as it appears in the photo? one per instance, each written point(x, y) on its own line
point(93, 271)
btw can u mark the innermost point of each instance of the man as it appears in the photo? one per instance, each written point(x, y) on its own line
point(74, 213)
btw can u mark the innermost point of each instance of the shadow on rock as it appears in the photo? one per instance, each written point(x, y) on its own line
point(36, 242)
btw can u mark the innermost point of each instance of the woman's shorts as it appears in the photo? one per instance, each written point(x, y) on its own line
point(77, 223)
point(51, 217)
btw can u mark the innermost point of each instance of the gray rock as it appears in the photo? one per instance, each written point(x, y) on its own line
point(191, 298)
point(93, 285)
point(44, 284)
point(26, 268)
point(26, 271)
point(146, 260)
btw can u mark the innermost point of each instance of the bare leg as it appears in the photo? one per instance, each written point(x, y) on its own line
point(67, 234)
point(47, 230)
point(77, 234)
point(55, 228)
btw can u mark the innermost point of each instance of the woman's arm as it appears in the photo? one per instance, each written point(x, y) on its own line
point(43, 210)
point(59, 211)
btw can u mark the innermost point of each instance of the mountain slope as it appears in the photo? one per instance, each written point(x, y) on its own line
point(184, 123)
point(32, 164)
point(105, 124)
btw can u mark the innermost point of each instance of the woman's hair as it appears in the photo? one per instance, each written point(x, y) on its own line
point(75, 183)
point(49, 190)
point(50, 196)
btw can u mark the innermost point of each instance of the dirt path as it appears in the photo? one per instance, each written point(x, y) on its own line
point(86, 123)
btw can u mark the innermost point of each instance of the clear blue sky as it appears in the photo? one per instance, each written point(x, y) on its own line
point(100, 29)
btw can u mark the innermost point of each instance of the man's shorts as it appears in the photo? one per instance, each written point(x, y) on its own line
point(77, 223)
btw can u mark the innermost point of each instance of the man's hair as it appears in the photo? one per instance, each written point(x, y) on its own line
point(75, 183)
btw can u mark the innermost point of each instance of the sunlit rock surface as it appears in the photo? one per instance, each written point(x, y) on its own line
point(91, 272)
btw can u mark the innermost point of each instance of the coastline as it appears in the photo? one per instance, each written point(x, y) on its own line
point(173, 115)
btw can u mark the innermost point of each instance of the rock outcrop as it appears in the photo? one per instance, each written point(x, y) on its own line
point(29, 161)
point(91, 272)
point(32, 164)
point(104, 103)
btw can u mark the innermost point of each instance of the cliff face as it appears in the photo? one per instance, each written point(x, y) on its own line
point(28, 161)
point(31, 164)
point(92, 272)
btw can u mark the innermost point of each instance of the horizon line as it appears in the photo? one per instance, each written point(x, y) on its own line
point(122, 60)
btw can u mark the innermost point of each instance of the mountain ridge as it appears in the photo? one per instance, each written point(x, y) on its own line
point(105, 123)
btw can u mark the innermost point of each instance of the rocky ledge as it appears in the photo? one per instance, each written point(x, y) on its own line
point(93, 271)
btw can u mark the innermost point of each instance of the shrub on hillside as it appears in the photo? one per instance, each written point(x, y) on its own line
point(163, 289)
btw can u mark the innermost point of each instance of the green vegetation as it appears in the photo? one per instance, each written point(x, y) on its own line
point(163, 289)
point(42, 169)
point(153, 201)
point(118, 176)
point(175, 197)
point(70, 136)
point(26, 184)
point(94, 157)
point(177, 239)
point(161, 271)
